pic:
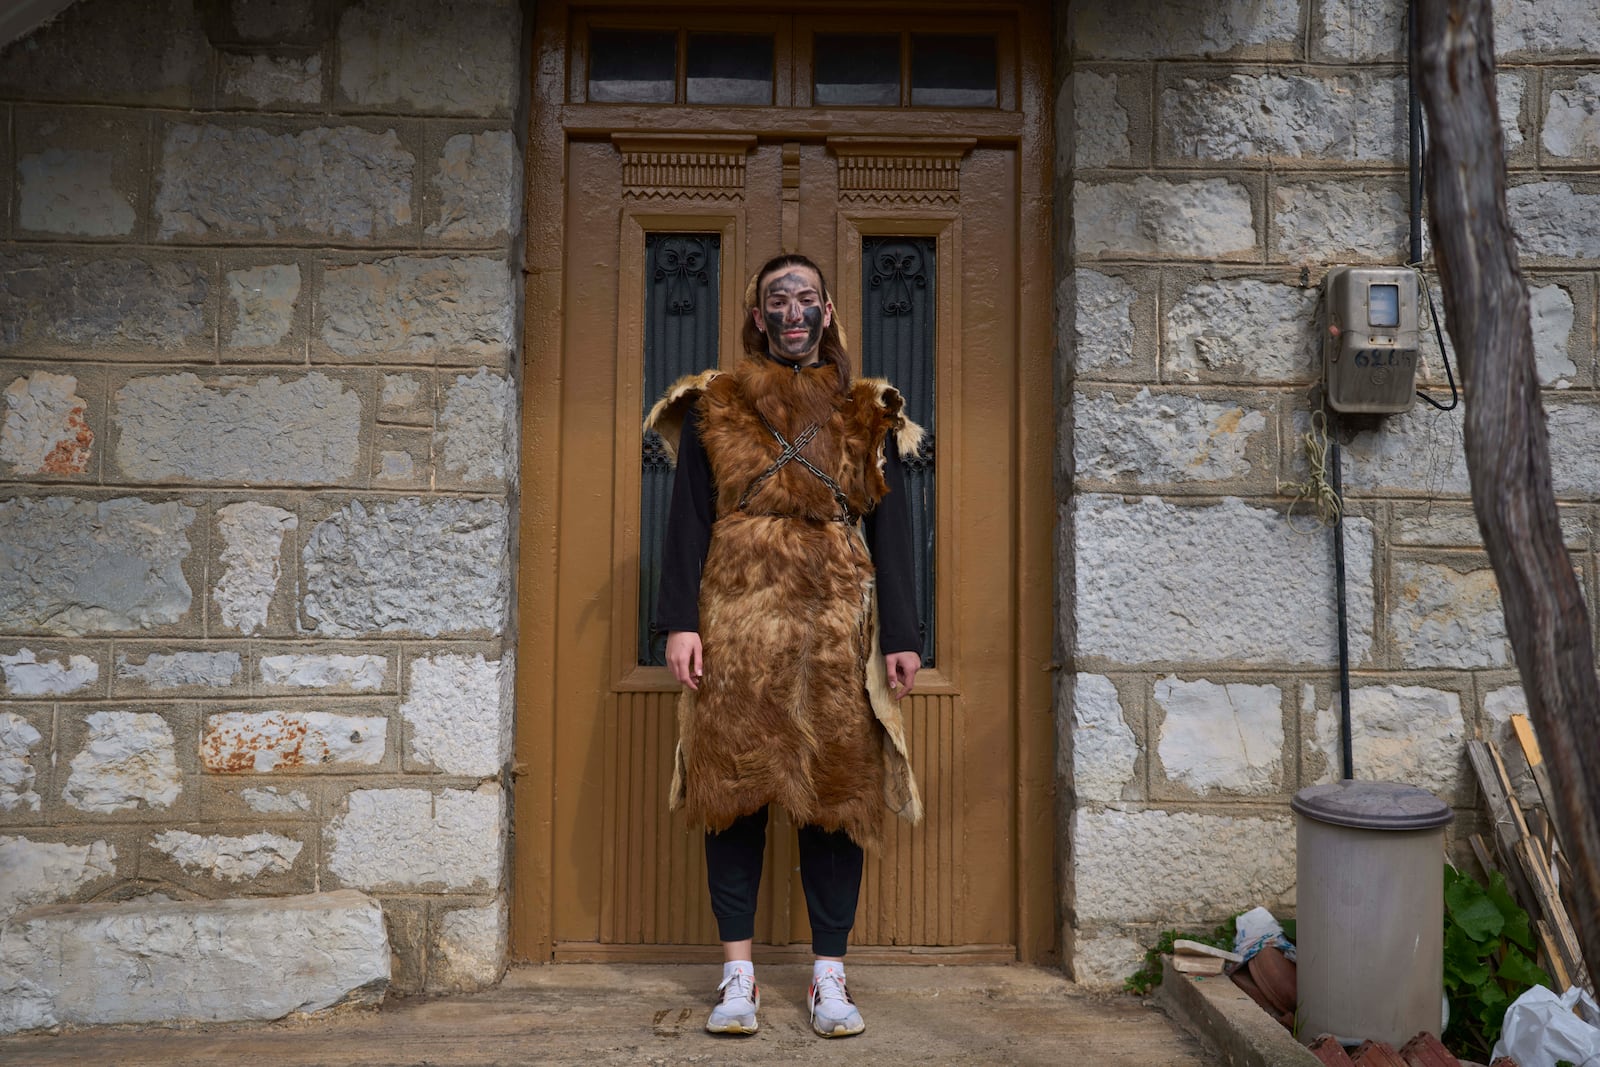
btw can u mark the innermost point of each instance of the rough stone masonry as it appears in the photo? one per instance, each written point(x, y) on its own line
point(1215, 157)
point(259, 304)
point(258, 439)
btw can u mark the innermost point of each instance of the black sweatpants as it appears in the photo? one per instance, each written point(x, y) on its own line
point(830, 872)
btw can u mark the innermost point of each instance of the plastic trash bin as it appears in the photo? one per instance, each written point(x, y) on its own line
point(1370, 907)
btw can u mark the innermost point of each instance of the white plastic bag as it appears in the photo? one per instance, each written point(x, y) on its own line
point(1540, 1028)
point(1256, 928)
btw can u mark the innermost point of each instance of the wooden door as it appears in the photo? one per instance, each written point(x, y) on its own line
point(923, 234)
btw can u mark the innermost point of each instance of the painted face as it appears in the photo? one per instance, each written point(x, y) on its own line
point(793, 314)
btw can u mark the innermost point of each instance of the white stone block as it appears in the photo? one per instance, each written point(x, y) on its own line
point(43, 872)
point(359, 673)
point(414, 839)
point(304, 431)
point(478, 427)
point(430, 567)
point(1420, 450)
point(28, 676)
point(1204, 218)
point(264, 300)
point(479, 185)
point(266, 81)
point(1243, 329)
point(191, 961)
point(283, 740)
point(76, 566)
point(1164, 438)
point(1361, 31)
point(1552, 219)
point(1398, 733)
point(45, 429)
point(128, 761)
point(73, 191)
point(229, 859)
point(1572, 120)
point(419, 308)
point(1103, 960)
point(269, 800)
point(1103, 323)
point(1318, 220)
point(1510, 91)
point(1574, 447)
point(1551, 311)
point(415, 56)
point(1104, 749)
point(1100, 121)
point(183, 670)
point(1221, 583)
point(1443, 617)
point(1226, 738)
point(469, 949)
point(1164, 29)
point(18, 739)
point(251, 559)
point(1279, 116)
point(1177, 867)
point(1546, 27)
point(458, 721)
point(246, 183)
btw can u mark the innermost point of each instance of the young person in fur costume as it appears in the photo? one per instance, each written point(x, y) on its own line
point(787, 596)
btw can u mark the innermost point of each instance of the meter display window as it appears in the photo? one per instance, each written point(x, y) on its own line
point(1383, 305)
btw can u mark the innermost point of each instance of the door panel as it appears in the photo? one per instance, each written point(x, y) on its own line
point(627, 872)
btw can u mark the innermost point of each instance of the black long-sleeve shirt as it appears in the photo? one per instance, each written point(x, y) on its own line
point(692, 510)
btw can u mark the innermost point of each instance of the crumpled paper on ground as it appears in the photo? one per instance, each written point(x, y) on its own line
point(1540, 1028)
point(1256, 928)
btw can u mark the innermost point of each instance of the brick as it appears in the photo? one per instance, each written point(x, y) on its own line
point(258, 858)
point(1103, 323)
point(1571, 127)
point(458, 713)
point(26, 675)
point(411, 839)
point(1555, 220)
point(262, 309)
point(468, 952)
point(1105, 752)
point(1546, 29)
point(477, 429)
point(79, 174)
point(1315, 220)
point(418, 309)
point(291, 83)
point(270, 741)
point(183, 672)
point(19, 766)
point(474, 194)
point(1241, 330)
point(1359, 31)
point(46, 430)
point(98, 50)
point(1164, 29)
point(43, 872)
point(1101, 121)
point(127, 762)
point(1283, 118)
point(252, 563)
point(1398, 733)
point(325, 671)
point(115, 306)
point(1445, 617)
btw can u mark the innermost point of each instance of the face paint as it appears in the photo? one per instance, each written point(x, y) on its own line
point(792, 316)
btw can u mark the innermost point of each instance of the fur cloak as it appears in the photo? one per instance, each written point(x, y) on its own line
point(794, 705)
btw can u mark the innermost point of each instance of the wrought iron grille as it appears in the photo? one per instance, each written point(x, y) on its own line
point(680, 337)
point(898, 342)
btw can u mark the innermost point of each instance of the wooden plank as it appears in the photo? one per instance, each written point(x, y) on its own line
point(1486, 861)
point(1552, 955)
point(1530, 855)
point(1523, 728)
point(1508, 824)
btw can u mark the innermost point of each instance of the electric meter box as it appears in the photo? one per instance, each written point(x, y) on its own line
point(1370, 352)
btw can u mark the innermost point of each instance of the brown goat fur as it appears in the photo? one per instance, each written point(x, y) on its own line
point(792, 707)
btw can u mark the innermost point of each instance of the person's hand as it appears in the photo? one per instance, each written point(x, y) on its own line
point(902, 670)
point(684, 657)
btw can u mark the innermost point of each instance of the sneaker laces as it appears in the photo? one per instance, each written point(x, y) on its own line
point(830, 987)
point(740, 985)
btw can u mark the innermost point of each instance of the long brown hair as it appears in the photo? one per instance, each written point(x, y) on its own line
point(830, 350)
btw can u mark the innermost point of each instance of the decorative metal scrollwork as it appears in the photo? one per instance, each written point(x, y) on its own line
point(896, 268)
point(681, 263)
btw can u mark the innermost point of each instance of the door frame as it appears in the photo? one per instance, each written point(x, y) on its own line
point(551, 121)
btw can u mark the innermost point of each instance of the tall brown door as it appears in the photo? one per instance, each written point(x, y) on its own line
point(922, 233)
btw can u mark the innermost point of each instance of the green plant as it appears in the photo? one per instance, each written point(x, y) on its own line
point(1488, 962)
point(1148, 976)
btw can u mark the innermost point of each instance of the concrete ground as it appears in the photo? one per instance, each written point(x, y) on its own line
point(631, 1014)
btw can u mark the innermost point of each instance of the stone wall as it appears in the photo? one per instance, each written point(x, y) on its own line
point(259, 305)
point(1217, 157)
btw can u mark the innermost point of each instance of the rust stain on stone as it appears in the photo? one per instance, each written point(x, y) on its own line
point(71, 454)
point(233, 749)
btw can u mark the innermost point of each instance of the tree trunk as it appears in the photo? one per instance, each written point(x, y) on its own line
point(1508, 454)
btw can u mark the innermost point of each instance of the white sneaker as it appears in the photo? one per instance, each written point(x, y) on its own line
point(736, 1012)
point(833, 1013)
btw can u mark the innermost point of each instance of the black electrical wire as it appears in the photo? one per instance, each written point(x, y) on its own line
point(1418, 153)
point(1347, 765)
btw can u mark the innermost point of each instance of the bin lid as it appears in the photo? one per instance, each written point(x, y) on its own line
point(1372, 805)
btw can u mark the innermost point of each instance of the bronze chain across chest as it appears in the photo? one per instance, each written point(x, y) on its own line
point(790, 452)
